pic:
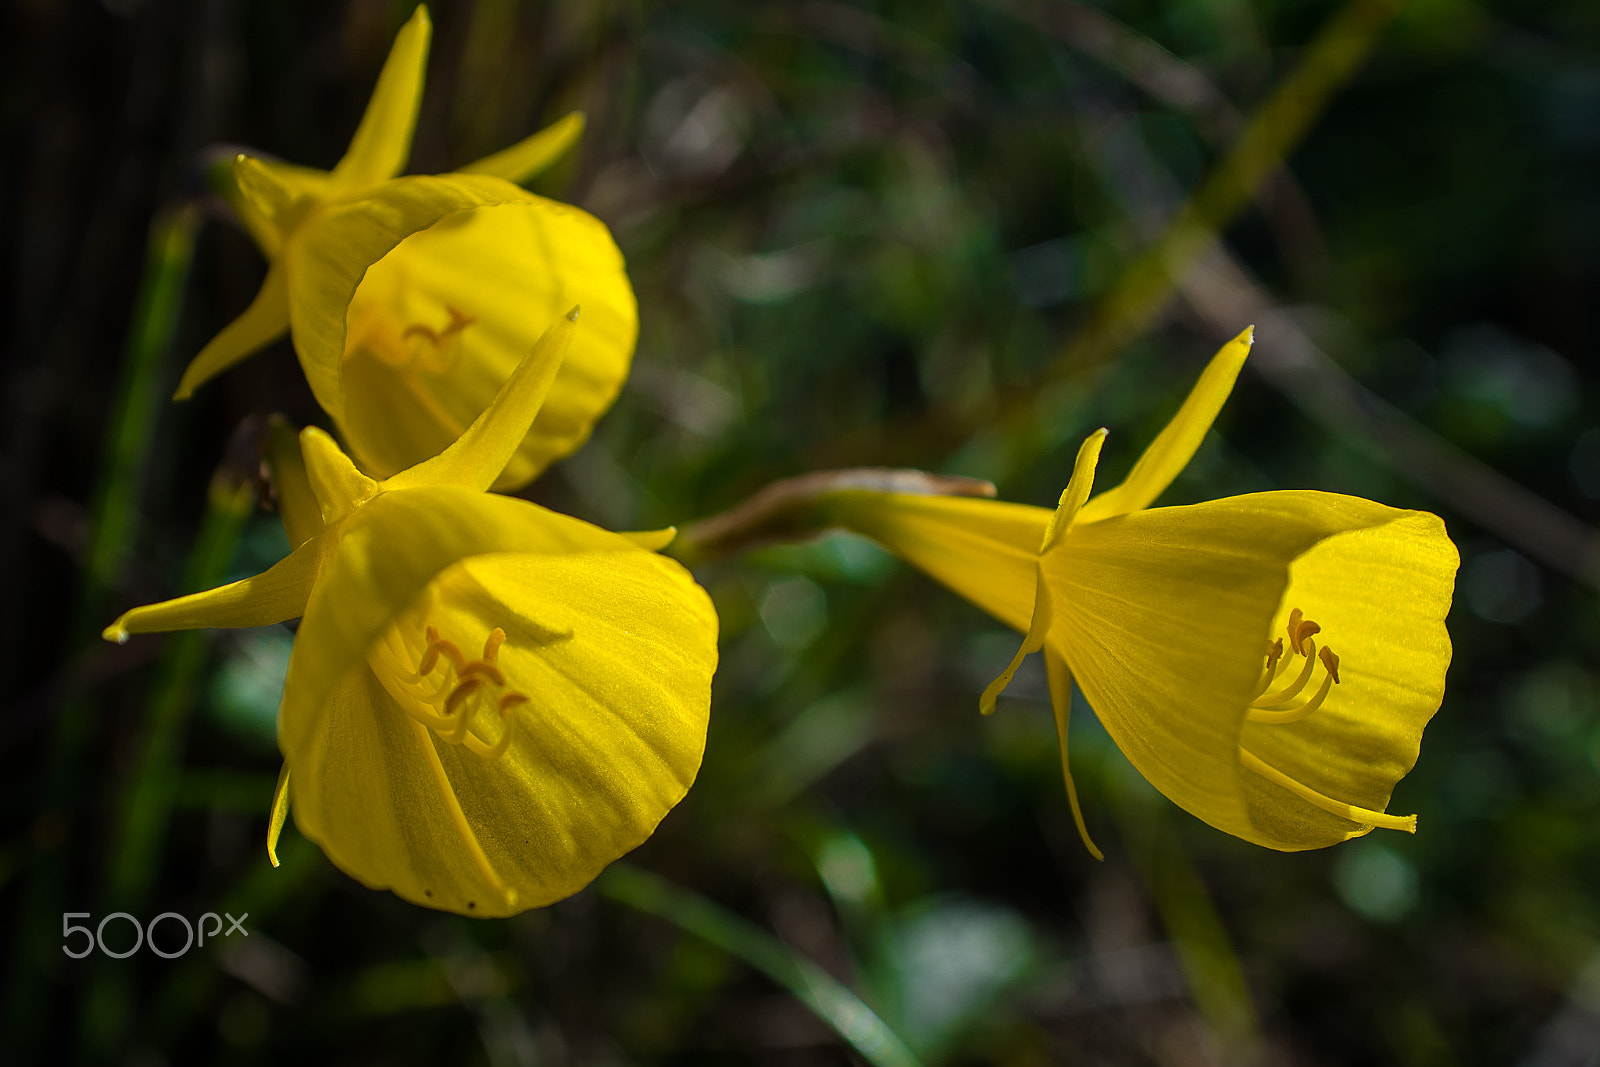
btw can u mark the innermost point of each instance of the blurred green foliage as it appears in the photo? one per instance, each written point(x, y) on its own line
point(861, 234)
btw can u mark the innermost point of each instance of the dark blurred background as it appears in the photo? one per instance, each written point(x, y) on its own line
point(893, 233)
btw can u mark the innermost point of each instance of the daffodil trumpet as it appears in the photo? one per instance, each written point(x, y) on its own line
point(1204, 636)
point(486, 702)
point(409, 300)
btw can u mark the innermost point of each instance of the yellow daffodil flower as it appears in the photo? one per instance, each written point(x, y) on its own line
point(1267, 661)
point(486, 702)
point(409, 300)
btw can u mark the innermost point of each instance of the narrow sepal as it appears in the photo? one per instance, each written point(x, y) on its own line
point(1060, 676)
point(264, 321)
point(532, 155)
point(1079, 486)
point(277, 594)
point(482, 451)
point(336, 483)
point(280, 812)
point(382, 142)
point(1172, 449)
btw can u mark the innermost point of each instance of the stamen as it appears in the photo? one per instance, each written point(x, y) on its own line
point(488, 670)
point(1300, 633)
point(1275, 660)
point(456, 697)
point(1270, 707)
point(448, 648)
point(459, 320)
point(491, 645)
point(1299, 711)
point(1292, 690)
point(461, 692)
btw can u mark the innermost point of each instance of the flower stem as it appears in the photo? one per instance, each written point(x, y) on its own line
point(794, 509)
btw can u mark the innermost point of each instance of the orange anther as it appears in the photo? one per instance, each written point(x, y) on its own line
point(1298, 635)
point(491, 646)
point(460, 693)
point(488, 670)
point(1330, 661)
point(459, 320)
point(509, 701)
point(453, 653)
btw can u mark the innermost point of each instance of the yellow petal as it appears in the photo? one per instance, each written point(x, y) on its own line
point(985, 550)
point(275, 595)
point(477, 457)
point(530, 157)
point(1172, 449)
point(292, 495)
point(1165, 615)
point(440, 322)
point(382, 143)
point(613, 648)
point(264, 321)
point(338, 487)
point(334, 248)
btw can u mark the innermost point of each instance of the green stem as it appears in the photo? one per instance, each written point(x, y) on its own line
point(833, 1003)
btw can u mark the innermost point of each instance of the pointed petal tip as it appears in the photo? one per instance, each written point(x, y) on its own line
point(420, 16)
point(1248, 337)
point(115, 633)
point(572, 316)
